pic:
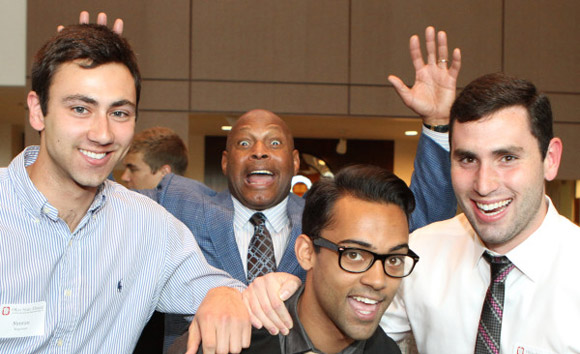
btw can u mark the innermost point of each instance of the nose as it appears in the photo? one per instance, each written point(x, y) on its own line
point(100, 130)
point(126, 176)
point(375, 276)
point(259, 151)
point(486, 179)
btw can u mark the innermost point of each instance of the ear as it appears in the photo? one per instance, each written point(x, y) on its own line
point(305, 254)
point(224, 162)
point(296, 161)
point(165, 170)
point(553, 158)
point(35, 115)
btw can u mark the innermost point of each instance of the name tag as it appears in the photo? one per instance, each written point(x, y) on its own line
point(528, 349)
point(22, 320)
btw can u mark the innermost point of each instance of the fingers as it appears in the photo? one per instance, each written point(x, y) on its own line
point(430, 45)
point(102, 19)
point(264, 299)
point(442, 51)
point(194, 338)
point(289, 287)
point(402, 90)
point(118, 26)
point(84, 17)
point(415, 50)
point(262, 308)
point(239, 337)
point(455, 63)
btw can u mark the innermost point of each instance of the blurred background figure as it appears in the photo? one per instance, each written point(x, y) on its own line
point(154, 153)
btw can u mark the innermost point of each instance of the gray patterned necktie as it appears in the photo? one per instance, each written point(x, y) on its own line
point(489, 331)
point(261, 249)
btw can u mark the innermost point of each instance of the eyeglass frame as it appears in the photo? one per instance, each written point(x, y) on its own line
point(322, 242)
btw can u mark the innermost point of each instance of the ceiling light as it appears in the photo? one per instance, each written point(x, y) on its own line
point(411, 133)
point(226, 128)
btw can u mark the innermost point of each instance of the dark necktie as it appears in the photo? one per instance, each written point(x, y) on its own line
point(261, 249)
point(489, 331)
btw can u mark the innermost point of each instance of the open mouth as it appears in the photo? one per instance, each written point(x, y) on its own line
point(493, 208)
point(260, 177)
point(93, 155)
point(364, 306)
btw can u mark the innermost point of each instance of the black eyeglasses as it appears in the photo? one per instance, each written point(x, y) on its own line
point(357, 260)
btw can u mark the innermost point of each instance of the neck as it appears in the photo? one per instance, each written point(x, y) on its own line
point(323, 333)
point(71, 201)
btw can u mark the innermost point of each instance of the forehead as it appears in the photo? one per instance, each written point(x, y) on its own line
point(134, 157)
point(260, 122)
point(379, 225)
point(111, 79)
point(508, 126)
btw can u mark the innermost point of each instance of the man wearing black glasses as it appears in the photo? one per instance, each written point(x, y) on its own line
point(355, 250)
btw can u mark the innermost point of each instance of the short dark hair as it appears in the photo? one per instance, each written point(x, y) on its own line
point(161, 146)
point(365, 182)
point(95, 44)
point(493, 92)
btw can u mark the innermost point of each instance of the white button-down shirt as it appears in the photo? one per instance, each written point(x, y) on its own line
point(441, 300)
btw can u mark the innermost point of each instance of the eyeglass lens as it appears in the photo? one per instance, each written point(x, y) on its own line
point(356, 260)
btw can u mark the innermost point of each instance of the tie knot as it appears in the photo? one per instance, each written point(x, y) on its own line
point(501, 266)
point(258, 219)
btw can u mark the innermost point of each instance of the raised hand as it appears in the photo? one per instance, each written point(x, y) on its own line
point(433, 92)
point(101, 20)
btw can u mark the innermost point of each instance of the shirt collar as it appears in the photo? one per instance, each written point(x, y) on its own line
point(527, 255)
point(297, 341)
point(276, 216)
point(31, 197)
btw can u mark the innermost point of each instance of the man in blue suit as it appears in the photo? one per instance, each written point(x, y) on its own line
point(260, 161)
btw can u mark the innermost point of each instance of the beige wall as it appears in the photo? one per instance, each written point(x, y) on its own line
point(328, 57)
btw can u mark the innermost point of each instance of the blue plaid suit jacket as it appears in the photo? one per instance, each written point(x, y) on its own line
point(210, 217)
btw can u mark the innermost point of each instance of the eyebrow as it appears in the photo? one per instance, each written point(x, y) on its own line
point(499, 152)
point(92, 101)
point(82, 98)
point(368, 245)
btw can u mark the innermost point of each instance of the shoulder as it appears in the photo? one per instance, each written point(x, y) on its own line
point(295, 203)
point(447, 233)
point(133, 204)
point(379, 342)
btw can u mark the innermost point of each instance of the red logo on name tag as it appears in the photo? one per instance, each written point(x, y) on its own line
point(520, 350)
point(5, 311)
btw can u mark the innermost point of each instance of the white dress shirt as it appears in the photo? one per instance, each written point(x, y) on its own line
point(277, 223)
point(441, 300)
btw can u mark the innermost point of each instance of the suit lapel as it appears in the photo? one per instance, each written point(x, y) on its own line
point(220, 221)
point(289, 264)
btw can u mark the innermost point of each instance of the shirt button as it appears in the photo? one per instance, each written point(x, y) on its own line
point(45, 210)
point(59, 342)
point(67, 292)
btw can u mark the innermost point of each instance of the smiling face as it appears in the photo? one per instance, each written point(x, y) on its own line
point(340, 307)
point(260, 160)
point(89, 124)
point(498, 176)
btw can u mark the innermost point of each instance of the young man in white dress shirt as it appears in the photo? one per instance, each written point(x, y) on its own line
point(502, 152)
